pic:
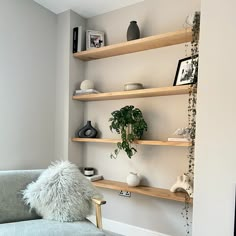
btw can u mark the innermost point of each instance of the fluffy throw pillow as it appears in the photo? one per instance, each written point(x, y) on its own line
point(61, 193)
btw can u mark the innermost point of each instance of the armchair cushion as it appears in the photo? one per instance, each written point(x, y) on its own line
point(49, 228)
point(61, 193)
point(12, 207)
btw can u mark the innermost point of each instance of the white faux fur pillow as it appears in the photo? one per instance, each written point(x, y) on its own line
point(61, 193)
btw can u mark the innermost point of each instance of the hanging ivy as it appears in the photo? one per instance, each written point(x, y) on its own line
point(192, 102)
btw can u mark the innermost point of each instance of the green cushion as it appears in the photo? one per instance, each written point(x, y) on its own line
point(12, 207)
point(49, 228)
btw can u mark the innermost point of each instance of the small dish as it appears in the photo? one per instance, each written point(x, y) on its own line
point(132, 86)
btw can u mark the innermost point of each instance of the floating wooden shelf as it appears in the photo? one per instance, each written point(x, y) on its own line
point(141, 93)
point(143, 142)
point(145, 190)
point(156, 41)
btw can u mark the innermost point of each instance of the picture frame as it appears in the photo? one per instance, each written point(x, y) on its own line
point(185, 71)
point(94, 39)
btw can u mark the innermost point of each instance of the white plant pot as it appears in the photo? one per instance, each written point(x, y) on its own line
point(133, 179)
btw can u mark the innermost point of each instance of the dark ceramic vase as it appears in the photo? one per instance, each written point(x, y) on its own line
point(133, 31)
point(88, 131)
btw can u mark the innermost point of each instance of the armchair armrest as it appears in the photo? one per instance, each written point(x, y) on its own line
point(98, 203)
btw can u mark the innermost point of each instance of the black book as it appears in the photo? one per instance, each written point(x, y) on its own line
point(75, 39)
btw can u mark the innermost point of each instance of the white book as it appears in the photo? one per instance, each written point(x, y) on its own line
point(94, 177)
point(87, 91)
point(81, 39)
point(176, 139)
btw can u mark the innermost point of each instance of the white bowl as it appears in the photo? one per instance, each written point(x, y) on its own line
point(132, 86)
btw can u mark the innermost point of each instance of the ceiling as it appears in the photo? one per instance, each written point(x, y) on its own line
point(85, 8)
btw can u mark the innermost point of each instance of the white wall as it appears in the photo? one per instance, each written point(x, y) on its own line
point(159, 166)
point(70, 72)
point(62, 86)
point(215, 174)
point(37, 78)
point(76, 108)
point(27, 84)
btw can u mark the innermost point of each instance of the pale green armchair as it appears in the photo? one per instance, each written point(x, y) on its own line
point(17, 220)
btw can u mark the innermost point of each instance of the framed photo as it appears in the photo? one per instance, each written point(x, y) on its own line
point(94, 39)
point(185, 71)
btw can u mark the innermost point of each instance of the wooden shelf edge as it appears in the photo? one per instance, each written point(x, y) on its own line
point(144, 190)
point(141, 142)
point(141, 93)
point(151, 42)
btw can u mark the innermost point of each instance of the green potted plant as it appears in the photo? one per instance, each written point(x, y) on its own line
point(130, 124)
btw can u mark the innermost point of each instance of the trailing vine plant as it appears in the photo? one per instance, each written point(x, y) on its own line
point(192, 102)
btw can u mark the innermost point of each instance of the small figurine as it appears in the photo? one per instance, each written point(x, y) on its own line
point(184, 132)
point(183, 183)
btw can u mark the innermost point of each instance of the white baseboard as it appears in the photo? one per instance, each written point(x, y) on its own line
point(125, 229)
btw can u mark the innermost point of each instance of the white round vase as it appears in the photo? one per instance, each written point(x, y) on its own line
point(133, 179)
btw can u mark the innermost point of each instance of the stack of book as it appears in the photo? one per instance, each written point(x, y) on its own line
point(79, 39)
point(94, 177)
point(87, 91)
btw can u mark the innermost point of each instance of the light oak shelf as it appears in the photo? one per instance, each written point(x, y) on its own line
point(145, 190)
point(156, 41)
point(152, 42)
point(141, 93)
point(142, 142)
